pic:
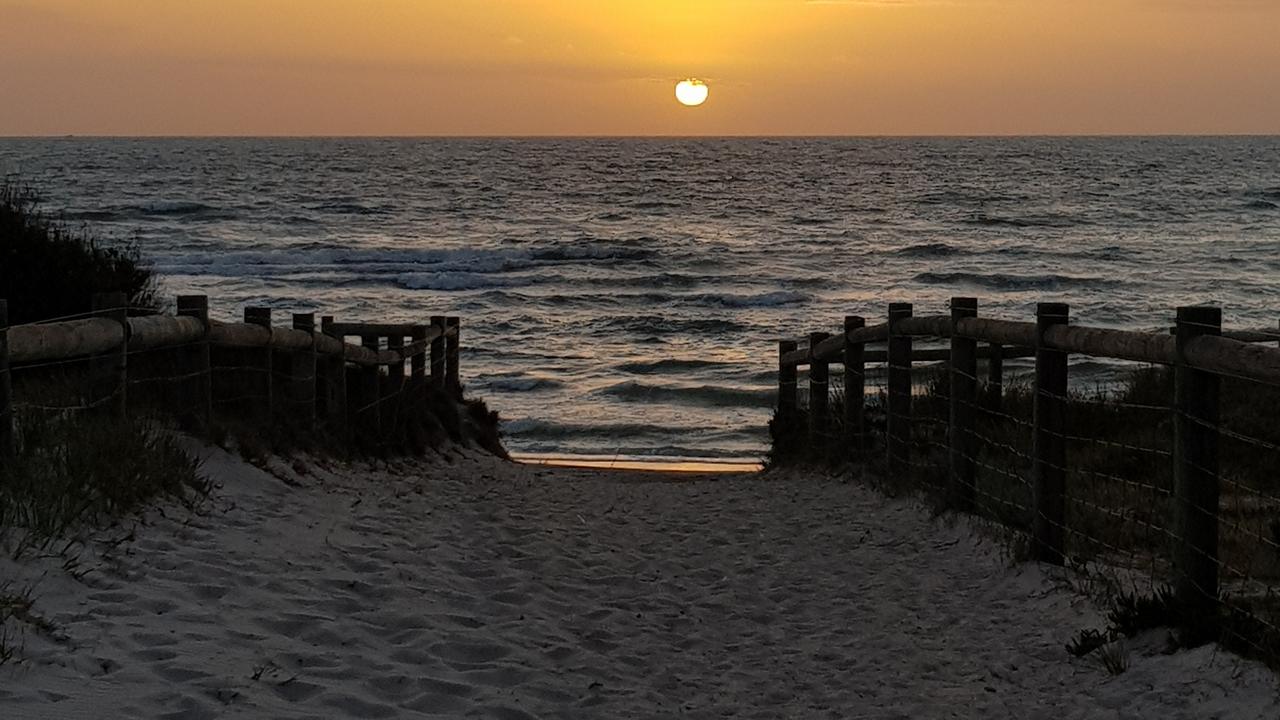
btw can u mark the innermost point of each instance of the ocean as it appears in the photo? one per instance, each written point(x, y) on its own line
point(624, 297)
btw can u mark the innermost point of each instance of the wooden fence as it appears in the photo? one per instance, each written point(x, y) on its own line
point(300, 375)
point(1198, 351)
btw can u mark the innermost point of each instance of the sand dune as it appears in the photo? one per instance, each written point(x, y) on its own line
point(482, 589)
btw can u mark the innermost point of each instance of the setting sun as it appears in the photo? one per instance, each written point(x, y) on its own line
point(692, 92)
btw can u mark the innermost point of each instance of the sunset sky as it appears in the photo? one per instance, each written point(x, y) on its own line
point(608, 67)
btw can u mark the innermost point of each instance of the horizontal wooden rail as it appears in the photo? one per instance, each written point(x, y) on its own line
point(920, 355)
point(1113, 344)
point(925, 326)
point(1217, 354)
point(384, 329)
point(1252, 336)
point(944, 354)
point(1237, 353)
point(155, 331)
point(831, 348)
point(870, 334)
point(1002, 332)
point(83, 338)
point(61, 340)
point(1249, 336)
point(199, 370)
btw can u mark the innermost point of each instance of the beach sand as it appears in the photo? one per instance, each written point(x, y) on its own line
point(470, 587)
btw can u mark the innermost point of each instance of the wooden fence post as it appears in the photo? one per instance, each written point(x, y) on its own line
point(369, 405)
point(898, 430)
point(262, 316)
point(788, 404)
point(437, 353)
point(855, 387)
point(418, 363)
point(1050, 453)
point(964, 394)
point(786, 380)
point(303, 378)
point(334, 397)
point(395, 383)
point(197, 306)
point(109, 371)
point(819, 399)
point(1196, 483)
point(396, 370)
point(6, 386)
point(453, 345)
point(995, 377)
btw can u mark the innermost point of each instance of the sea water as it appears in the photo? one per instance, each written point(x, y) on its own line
point(624, 297)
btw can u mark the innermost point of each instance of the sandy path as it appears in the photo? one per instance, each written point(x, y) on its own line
point(487, 590)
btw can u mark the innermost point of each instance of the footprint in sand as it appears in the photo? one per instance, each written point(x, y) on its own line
point(470, 653)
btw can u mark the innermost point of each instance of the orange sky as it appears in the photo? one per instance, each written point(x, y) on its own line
point(607, 67)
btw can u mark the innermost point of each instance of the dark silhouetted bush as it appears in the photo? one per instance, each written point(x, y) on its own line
point(50, 271)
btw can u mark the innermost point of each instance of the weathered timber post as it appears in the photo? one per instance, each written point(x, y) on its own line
point(1195, 474)
point(303, 378)
point(788, 406)
point(109, 371)
point(396, 370)
point(819, 399)
point(453, 347)
point(262, 316)
point(6, 385)
point(334, 397)
point(368, 409)
point(201, 392)
point(898, 431)
point(1050, 452)
point(786, 380)
point(855, 387)
point(418, 363)
point(995, 377)
point(395, 384)
point(437, 353)
point(964, 395)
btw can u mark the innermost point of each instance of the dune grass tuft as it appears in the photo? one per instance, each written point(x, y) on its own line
point(75, 469)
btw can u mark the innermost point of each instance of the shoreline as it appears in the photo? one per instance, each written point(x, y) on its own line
point(638, 464)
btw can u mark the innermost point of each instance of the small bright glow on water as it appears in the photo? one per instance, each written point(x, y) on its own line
point(668, 466)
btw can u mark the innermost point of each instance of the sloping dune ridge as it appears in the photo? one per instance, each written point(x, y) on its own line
point(472, 587)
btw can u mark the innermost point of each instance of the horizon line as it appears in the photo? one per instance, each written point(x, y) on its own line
point(534, 136)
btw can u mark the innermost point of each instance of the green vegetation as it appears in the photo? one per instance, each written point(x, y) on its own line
point(71, 470)
point(72, 467)
point(410, 425)
point(49, 271)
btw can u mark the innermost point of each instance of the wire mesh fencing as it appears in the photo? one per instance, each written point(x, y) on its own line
point(290, 394)
point(1158, 485)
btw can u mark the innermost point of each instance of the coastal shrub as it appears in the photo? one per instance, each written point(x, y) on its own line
point(48, 270)
point(71, 469)
point(410, 424)
point(1236, 624)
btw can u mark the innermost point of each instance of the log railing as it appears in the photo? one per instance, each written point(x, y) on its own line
point(1199, 353)
point(296, 373)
